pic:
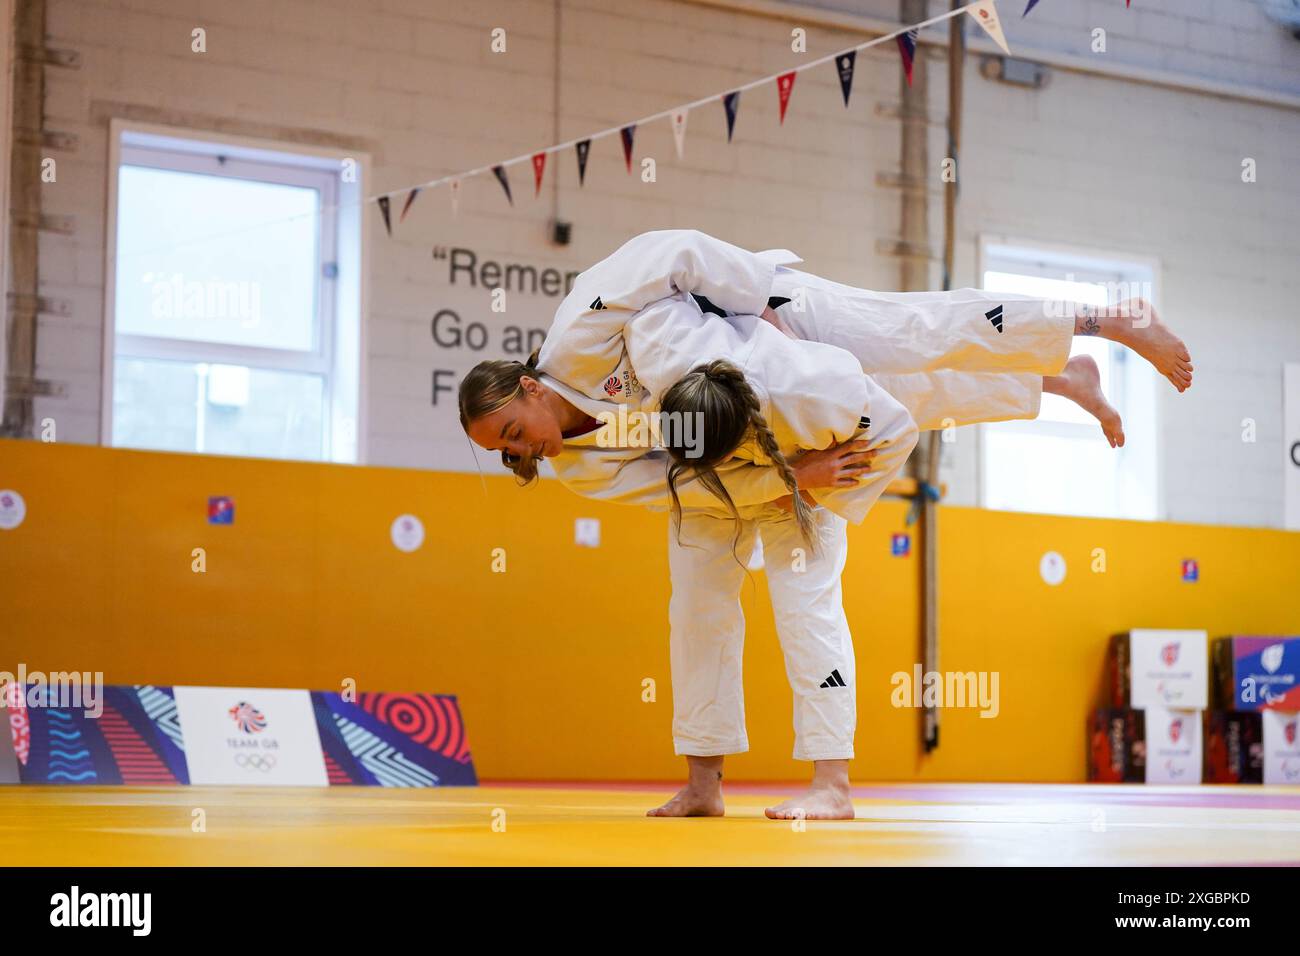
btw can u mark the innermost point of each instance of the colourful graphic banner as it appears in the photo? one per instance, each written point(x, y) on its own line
point(393, 740)
point(144, 735)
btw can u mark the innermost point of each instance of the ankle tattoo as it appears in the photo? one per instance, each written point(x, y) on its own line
point(1089, 315)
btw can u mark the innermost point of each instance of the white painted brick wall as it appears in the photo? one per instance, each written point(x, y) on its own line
point(1090, 161)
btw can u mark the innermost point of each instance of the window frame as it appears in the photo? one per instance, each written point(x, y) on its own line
point(1045, 258)
point(197, 151)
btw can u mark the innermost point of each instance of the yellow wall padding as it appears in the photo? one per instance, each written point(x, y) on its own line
point(305, 589)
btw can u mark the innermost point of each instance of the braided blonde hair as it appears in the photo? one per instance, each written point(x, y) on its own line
point(729, 410)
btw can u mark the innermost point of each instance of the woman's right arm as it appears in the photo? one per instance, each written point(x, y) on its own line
point(643, 479)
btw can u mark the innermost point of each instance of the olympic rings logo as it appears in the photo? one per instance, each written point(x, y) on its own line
point(263, 762)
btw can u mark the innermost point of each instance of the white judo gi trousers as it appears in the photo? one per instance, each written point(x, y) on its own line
point(946, 360)
point(957, 357)
point(707, 631)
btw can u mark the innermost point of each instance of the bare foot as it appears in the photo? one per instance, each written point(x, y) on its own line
point(1139, 327)
point(691, 802)
point(1080, 382)
point(821, 802)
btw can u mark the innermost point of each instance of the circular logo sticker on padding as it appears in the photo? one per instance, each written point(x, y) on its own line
point(407, 533)
point(1052, 568)
point(12, 509)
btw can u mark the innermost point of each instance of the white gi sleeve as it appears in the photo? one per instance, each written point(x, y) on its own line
point(890, 431)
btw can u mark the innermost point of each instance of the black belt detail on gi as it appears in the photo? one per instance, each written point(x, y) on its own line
point(706, 305)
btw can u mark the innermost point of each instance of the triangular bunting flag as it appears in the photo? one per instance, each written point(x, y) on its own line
point(539, 164)
point(626, 134)
point(583, 149)
point(731, 103)
point(679, 131)
point(406, 206)
point(784, 85)
point(1032, 4)
point(844, 67)
point(388, 219)
point(500, 172)
point(907, 49)
point(986, 15)
point(455, 196)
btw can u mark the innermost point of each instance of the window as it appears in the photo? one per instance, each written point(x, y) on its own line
point(1061, 463)
point(234, 306)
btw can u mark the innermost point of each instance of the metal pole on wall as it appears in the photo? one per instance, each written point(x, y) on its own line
point(934, 443)
point(956, 62)
point(915, 276)
point(914, 248)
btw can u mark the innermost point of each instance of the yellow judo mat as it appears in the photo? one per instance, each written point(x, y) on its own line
point(582, 824)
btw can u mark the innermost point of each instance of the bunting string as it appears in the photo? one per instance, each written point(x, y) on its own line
point(733, 95)
point(984, 12)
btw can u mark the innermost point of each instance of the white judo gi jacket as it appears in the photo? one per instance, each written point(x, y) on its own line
point(635, 323)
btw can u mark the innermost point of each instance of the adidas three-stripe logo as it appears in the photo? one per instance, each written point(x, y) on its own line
point(835, 680)
point(995, 316)
point(597, 305)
